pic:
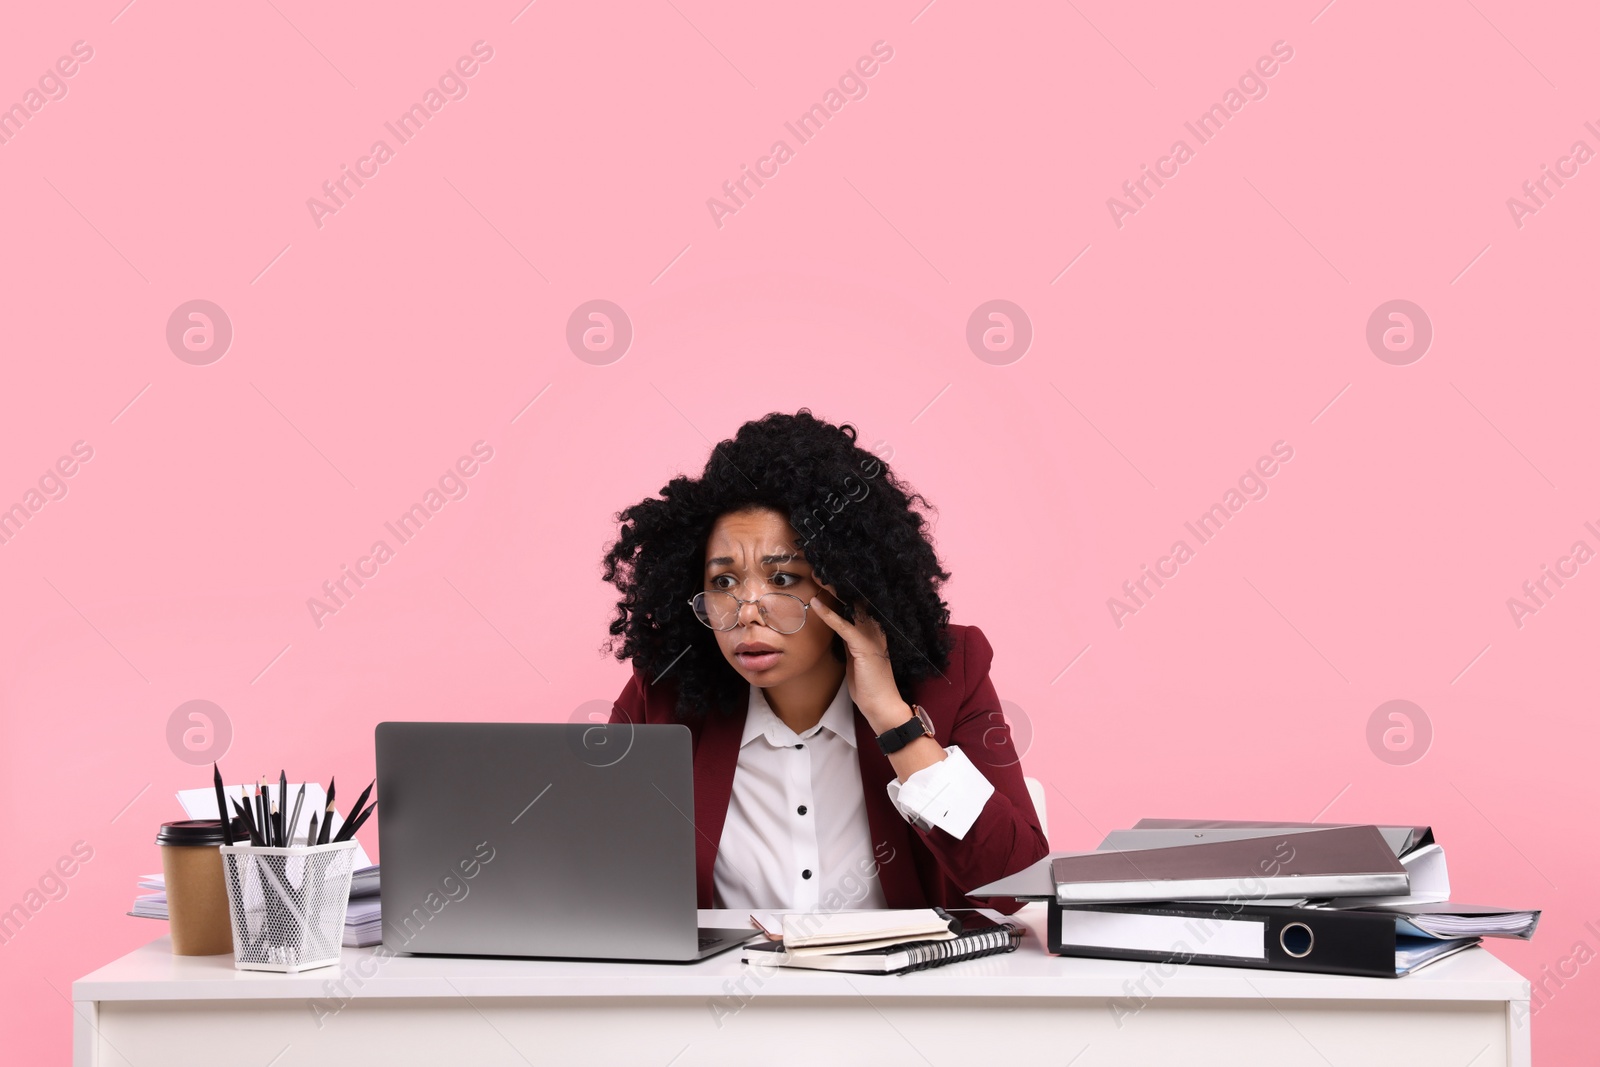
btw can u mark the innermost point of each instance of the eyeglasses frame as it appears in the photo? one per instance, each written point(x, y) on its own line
point(805, 610)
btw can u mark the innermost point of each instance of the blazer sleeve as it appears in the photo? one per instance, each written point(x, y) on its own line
point(1006, 838)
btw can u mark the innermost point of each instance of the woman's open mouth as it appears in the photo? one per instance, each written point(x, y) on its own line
point(757, 658)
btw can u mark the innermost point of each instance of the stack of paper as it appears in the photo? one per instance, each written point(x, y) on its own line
point(1413, 952)
point(363, 922)
point(364, 916)
point(1467, 920)
point(151, 905)
point(363, 890)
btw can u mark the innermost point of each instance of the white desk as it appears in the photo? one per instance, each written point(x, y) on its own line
point(1028, 1007)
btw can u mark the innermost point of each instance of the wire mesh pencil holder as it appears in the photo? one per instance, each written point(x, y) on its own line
point(287, 905)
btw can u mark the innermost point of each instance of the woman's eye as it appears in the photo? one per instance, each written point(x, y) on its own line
point(778, 580)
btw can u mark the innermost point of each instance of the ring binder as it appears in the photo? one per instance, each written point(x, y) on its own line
point(1370, 943)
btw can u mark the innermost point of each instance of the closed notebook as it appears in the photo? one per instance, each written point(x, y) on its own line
point(1339, 861)
point(980, 936)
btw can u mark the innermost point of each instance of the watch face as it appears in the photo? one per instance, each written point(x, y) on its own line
point(921, 713)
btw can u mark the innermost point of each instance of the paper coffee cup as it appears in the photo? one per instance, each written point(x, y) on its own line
point(197, 896)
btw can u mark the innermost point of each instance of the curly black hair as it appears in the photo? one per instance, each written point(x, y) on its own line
point(857, 526)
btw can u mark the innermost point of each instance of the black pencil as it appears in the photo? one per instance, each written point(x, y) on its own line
point(261, 811)
point(363, 819)
point(283, 806)
point(244, 813)
point(246, 810)
point(327, 817)
point(294, 819)
point(311, 832)
point(222, 806)
point(348, 830)
point(355, 809)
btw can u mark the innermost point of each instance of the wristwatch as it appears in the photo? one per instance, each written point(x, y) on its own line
point(918, 725)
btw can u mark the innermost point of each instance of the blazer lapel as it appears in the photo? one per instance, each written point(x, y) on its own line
point(716, 757)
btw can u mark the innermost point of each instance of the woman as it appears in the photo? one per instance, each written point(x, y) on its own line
point(849, 748)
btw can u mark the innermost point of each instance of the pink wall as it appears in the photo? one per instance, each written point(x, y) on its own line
point(1227, 313)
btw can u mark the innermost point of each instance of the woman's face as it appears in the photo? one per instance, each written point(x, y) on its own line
point(750, 553)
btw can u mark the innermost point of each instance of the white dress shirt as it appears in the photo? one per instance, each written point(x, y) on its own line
point(796, 836)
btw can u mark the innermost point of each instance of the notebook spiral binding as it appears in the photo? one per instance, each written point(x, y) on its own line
point(1001, 939)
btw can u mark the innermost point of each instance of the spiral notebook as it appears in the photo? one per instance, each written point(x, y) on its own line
point(981, 936)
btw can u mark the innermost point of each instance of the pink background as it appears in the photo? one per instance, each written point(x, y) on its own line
point(1227, 314)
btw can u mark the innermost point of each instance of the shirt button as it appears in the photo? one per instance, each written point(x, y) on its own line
point(799, 746)
point(801, 809)
point(806, 873)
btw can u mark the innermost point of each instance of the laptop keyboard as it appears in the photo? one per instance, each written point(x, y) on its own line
point(707, 942)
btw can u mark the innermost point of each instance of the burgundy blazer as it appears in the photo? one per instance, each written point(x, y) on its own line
point(917, 869)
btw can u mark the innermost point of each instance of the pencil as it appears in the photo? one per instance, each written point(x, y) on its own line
point(244, 813)
point(261, 811)
point(327, 818)
point(243, 804)
point(311, 832)
point(294, 820)
point(355, 809)
point(348, 830)
point(362, 820)
point(222, 806)
point(283, 806)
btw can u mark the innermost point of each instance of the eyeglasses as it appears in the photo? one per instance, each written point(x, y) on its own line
point(783, 612)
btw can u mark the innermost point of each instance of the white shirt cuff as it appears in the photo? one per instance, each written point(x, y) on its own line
point(949, 794)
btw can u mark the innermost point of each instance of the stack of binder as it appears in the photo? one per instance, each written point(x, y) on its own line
point(1330, 898)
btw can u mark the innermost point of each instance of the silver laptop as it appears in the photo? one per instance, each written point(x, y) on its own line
point(540, 839)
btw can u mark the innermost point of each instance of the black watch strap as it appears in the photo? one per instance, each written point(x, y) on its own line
point(893, 740)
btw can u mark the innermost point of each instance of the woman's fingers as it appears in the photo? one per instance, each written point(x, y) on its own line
point(862, 636)
point(829, 616)
point(841, 625)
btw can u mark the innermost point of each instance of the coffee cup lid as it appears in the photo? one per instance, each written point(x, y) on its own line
point(198, 832)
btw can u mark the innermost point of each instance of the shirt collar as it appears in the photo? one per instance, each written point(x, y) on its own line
point(761, 721)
